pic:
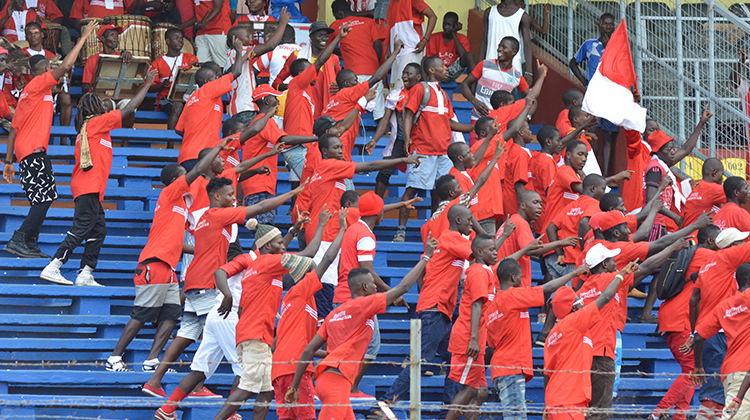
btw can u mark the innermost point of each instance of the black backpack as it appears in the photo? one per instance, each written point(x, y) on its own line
point(671, 279)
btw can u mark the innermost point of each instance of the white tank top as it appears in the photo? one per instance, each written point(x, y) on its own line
point(500, 27)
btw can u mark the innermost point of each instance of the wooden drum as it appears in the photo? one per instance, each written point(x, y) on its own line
point(51, 41)
point(93, 45)
point(136, 34)
point(159, 43)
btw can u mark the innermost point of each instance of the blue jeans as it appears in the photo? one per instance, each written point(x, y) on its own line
point(511, 390)
point(618, 362)
point(436, 330)
point(266, 218)
point(714, 352)
point(294, 157)
point(324, 300)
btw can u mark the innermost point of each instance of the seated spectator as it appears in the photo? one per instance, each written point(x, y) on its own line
point(452, 47)
point(14, 18)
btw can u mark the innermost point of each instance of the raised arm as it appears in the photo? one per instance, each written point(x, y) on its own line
point(689, 145)
point(614, 285)
point(532, 246)
point(273, 202)
point(72, 56)
point(542, 71)
point(204, 163)
point(653, 262)
point(386, 66)
point(378, 165)
point(257, 126)
point(567, 138)
point(485, 175)
point(129, 109)
point(516, 124)
point(239, 58)
point(312, 248)
point(333, 250)
point(249, 163)
point(704, 220)
point(275, 39)
point(291, 140)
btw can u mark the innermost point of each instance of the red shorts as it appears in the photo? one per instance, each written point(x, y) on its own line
point(333, 391)
point(467, 371)
point(306, 398)
point(154, 272)
point(574, 412)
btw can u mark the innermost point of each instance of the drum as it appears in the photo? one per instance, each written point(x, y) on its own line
point(136, 34)
point(51, 41)
point(159, 44)
point(93, 45)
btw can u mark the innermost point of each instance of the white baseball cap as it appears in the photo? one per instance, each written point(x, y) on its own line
point(729, 236)
point(598, 253)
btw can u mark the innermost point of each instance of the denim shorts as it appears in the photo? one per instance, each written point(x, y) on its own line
point(294, 157)
point(511, 391)
point(266, 218)
point(431, 168)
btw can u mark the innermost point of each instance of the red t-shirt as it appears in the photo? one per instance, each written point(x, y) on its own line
point(167, 69)
point(568, 354)
point(298, 322)
point(326, 188)
point(478, 285)
point(569, 218)
point(165, 239)
point(200, 120)
point(466, 183)
point(220, 24)
point(33, 118)
point(705, 197)
point(674, 314)
point(516, 170)
point(732, 215)
point(563, 124)
point(509, 330)
point(199, 193)
point(359, 244)
point(300, 105)
point(717, 280)
point(542, 169)
point(604, 334)
point(432, 135)
point(506, 114)
point(100, 145)
point(638, 156)
point(46, 9)
point(447, 51)
point(10, 31)
point(406, 11)
point(731, 315)
point(348, 330)
point(332, 227)
point(326, 76)
point(339, 106)
point(443, 272)
point(559, 194)
point(212, 235)
point(261, 294)
point(356, 49)
point(5, 110)
point(521, 237)
point(263, 142)
point(490, 196)
point(89, 69)
point(98, 9)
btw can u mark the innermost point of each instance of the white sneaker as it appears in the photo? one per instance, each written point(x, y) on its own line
point(52, 273)
point(85, 278)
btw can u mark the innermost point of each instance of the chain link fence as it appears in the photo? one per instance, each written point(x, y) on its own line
point(686, 55)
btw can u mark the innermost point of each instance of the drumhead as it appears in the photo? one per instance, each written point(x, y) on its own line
point(126, 20)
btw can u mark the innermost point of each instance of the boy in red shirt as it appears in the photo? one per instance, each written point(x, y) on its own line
point(28, 139)
point(452, 47)
point(568, 351)
point(257, 11)
point(431, 136)
point(566, 185)
point(732, 318)
point(570, 98)
point(509, 332)
point(517, 169)
point(93, 153)
point(489, 206)
point(200, 121)
point(708, 195)
point(168, 65)
point(732, 214)
point(347, 331)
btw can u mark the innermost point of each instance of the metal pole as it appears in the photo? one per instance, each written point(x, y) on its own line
point(415, 355)
point(711, 75)
point(569, 54)
point(637, 62)
point(623, 9)
point(681, 73)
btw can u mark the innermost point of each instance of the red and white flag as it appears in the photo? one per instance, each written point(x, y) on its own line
point(608, 94)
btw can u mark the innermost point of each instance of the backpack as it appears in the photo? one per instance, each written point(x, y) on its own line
point(425, 101)
point(671, 279)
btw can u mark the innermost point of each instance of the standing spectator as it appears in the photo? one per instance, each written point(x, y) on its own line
point(405, 18)
point(505, 20)
point(212, 24)
point(93, 154)
point(570, 98)
point(273, 61)
point(167, 65)
point(708, 195)
point(361, 50)
point(452, 47)
point(638, 156)
point(14, 19)
point(28, 139)
point(542, 166)
point(732, 215)
point(83, 9)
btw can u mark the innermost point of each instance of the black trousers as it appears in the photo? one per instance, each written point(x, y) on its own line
point(38, 183)
point(384, 176)
point(602, 386)
point(88, 225)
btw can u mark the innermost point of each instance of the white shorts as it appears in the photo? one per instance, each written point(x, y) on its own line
point(331, 276)
point(430, 168)
point(211, 48)
point(256, 366)
point(219, 342)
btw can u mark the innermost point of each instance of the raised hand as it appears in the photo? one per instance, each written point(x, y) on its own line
point(298, 190)
point(541, 69)
point(150, 76)
point(325, 217)
point(570, 241)
point(87, 31)
point(304, 216)
point(705, 220)
point(371, 94)
point(344, 31)
point(430, 245)
point(224, 145)
point(706, 114)
point(263, 170)
point(397, 46)
point(284, 17)
point(342, 219)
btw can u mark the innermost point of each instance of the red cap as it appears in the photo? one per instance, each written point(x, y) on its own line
point(264, 90)
point(563, 302)
point(594, 220)
point(658, 139)
point(370, 204)
point(610, 219)
point(105, 28)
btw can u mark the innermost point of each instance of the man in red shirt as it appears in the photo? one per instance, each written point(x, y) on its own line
point(737, 194)
point(93, 154)
point(674, 324)
point(517, 169)
point(212, 22)
point(431, 135)
point(568, 352)
point(212, 239)
point(708, 195)
point(716, 282)
point(570, 98)
point(168, 65)
point(732, 318)
point(348, 330)
point(28, 139)
point(452, 47)
point(83, 9)
point(566, 185)
point(405, 21)
point(361, 51)
point(509, 332)
point(200, 121)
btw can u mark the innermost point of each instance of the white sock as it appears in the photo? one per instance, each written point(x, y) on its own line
point(113, 359)
point(151, 362)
